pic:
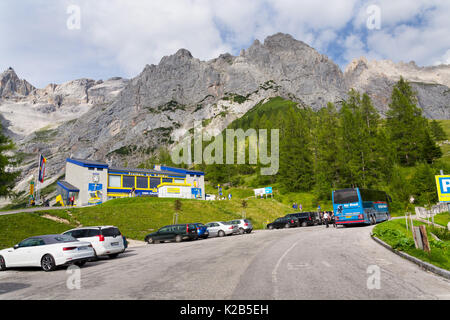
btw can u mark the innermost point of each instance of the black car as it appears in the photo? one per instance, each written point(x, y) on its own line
point(283, 222)
point(305, 218)
point(177, 232)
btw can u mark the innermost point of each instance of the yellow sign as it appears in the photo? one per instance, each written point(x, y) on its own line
point(443, 188)
point(173, 190)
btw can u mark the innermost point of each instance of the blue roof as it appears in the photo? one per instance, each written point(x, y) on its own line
point(67, 186)
point(88, 163)
point(183, 171)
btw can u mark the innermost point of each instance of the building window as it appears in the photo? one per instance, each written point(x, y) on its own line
point(128, 181)
point(142, 182)
point(114, 181)
point(179, 181)
point(167, 180)
point(91, 169)
point(154, 182)
point(99, 169)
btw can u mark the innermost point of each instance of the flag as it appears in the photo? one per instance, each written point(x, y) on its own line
point(42, 163)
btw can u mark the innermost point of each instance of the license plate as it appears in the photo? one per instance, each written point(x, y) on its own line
point(114, 243)
point(349, 217)
point(82, 248)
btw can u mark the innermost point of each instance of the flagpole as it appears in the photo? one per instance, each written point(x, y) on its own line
point(36, 200)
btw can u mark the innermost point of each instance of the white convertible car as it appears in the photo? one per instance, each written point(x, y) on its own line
point(47, 252)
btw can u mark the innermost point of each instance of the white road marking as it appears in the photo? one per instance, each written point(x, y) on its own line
point(383, 262)
point(326, 264)
point(292, 267)
point(275, 270)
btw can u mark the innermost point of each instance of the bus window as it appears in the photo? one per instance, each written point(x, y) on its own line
point(346, 196)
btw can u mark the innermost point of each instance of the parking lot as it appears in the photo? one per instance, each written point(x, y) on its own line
point(297, 263)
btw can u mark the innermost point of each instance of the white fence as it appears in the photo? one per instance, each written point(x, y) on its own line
point(424, 213)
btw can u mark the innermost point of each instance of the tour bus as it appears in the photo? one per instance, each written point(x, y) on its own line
point(360, 206)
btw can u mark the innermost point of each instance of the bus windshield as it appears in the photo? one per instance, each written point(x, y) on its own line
point(345, 196)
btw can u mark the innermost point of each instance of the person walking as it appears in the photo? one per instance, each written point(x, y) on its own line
point(326, 218)
point(333, 219)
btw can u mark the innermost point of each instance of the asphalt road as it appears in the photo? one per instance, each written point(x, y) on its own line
point(300, 263)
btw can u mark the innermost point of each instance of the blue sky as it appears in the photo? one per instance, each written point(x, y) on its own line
point(119, 37)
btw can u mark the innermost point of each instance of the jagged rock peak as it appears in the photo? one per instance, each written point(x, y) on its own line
point(183, 53)
point(180, 57)
point(11, 85)
point(360, 63)
point(283, 40)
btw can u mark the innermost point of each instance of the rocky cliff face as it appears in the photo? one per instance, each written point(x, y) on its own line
point(377, 78)
point(126, 120)
point(11, 86)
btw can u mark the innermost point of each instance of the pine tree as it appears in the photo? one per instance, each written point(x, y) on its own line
point(7, 177)
point(424, 185)
point(407, 128)
point(296, 167)
point(437, 131)
point(326, 147)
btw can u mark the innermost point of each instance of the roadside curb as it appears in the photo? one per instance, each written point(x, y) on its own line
point(424, 265)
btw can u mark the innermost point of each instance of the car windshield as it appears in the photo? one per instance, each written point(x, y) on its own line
point(59, 239)
point(345, 196)
point(111, 232)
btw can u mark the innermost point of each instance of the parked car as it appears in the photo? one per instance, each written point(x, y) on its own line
point(243, 225)
point(47, 252)
point(202, 230)
point(106, 240)
point(305, 218)
point(178, 232)
point(283, 222)
point(220, 229)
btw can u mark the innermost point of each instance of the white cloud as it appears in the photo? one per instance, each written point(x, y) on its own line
point(118, 37)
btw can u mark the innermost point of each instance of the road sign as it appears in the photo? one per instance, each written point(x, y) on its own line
point(443, 188)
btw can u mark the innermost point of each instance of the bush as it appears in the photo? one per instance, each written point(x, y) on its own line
point(441, 233)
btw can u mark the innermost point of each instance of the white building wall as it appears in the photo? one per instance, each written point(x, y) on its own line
point(81, 177)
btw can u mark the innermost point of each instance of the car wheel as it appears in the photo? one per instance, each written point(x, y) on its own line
point(80, 263)
point(48, 263)
point(241, 231)
point(178, 238)
point(270, 227)
point(2, 264)
point(286, 225)
point(113, 256)
point(221, 233)
point(304, 224)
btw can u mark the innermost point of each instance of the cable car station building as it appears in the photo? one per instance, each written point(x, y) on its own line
point(93, 182)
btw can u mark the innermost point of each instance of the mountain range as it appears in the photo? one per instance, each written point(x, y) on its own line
point(123, 121)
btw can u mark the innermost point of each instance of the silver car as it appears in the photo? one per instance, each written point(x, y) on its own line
point(220, 229)
point(243, 225)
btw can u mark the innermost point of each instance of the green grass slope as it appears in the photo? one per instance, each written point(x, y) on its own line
point(395, 234)
point(17, 227)
point(136, 217)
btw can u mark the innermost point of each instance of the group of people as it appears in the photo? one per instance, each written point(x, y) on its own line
point(327, 217)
